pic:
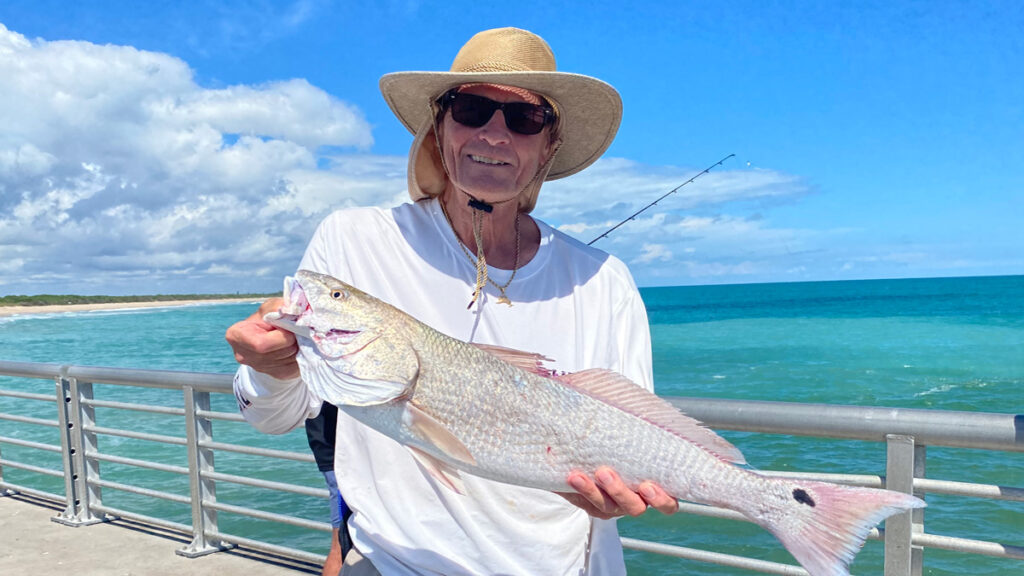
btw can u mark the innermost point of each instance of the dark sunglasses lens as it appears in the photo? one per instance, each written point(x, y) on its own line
point(471, 110)
point(524, 118)
point(475, 111)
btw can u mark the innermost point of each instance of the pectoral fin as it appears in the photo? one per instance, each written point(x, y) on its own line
point(435, 433)
point(440, 471)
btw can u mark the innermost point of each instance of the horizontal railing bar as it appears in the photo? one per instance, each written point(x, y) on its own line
point(28, 395)
point(19, 489)
point(136, 407)
point(138, 463)
point(268, 484)
point(176, 440)
point(710, 511)
point(255, 451)
point(140, 491)
point(983, 430)
point(955, 429)
point(862, 480)
point(273, 517)
point(29, 444)
point(201, 381)
point(135, 516)
point(226, 416)
point(29, 420)
point(970, 546)
point(990, 491)
point(31, 369)
point(295, 553)
point(713, 557)
point(30, 468)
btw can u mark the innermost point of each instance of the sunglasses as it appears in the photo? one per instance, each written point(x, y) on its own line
point(475, 111)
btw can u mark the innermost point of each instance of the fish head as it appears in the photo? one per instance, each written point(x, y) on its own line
point(352, 347)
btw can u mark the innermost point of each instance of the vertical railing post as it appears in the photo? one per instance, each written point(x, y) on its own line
point(917, 514)
point(80, 444)
point(900, 468)
point(202, 488)
point(64, 419)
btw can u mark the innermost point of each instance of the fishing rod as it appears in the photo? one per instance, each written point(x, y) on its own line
point(663, 196)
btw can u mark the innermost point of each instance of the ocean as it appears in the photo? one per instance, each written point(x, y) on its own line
point(945, 344)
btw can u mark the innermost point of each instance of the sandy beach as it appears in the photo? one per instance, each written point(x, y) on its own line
point(58, 309)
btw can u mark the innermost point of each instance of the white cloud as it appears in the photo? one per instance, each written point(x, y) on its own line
point(116, 167)
point(709, 230)
point(118, 173)
point(614, 188)
point(652, 252)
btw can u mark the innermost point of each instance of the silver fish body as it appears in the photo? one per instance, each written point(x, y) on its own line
point(499, 414)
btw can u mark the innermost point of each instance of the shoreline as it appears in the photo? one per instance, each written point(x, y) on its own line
point(6, 311)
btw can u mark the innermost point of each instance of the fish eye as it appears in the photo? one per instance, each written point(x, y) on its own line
point(337, 294)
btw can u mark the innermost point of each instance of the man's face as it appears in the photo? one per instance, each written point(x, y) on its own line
point(491, 162)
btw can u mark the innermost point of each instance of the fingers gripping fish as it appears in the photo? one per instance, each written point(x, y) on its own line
point(499, 414)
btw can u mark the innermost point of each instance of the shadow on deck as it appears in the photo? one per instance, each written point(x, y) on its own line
point(31, 543)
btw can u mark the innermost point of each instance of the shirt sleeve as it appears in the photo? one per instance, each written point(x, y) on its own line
point(273, 406)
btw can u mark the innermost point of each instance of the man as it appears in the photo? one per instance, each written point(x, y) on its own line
point(488, 133)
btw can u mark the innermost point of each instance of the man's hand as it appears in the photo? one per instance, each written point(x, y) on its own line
point(607, 496)
point(262, 346)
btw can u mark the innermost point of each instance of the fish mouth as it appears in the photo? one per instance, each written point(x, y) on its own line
point(336, 336)
point(296, 316)
point(295, 302)
point(296, 307)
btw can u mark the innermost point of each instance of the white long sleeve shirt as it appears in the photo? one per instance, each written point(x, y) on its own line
point(572, 303)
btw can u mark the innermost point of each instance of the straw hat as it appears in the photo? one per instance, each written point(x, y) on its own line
point(589, 110)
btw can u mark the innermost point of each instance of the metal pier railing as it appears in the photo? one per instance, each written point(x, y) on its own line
point(906, 433)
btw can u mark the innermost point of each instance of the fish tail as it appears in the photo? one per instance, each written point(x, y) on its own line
point(824, 525)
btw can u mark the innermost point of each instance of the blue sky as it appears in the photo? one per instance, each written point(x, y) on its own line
point(193, 146)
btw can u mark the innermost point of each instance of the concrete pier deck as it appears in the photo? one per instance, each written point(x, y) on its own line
point(31, 543)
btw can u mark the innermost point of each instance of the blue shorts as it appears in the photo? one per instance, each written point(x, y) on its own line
point(339, 511)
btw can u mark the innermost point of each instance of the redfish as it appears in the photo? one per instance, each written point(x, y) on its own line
point(499, 414)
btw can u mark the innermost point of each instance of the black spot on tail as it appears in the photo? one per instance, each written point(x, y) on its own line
point(803, 497)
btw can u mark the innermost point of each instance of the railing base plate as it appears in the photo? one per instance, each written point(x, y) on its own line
point(193, 551)
point(74, 522)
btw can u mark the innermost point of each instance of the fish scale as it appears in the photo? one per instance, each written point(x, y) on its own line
point(498, 414)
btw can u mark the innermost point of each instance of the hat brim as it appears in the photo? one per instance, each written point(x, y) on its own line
point(589, 110)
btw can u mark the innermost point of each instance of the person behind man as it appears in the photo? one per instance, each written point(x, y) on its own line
point(488, 133)
point(321, 431)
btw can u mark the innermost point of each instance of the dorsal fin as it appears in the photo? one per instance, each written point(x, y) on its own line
point(621, 392)
point(528, 361)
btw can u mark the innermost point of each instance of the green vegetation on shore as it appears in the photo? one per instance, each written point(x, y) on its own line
point(64, 299)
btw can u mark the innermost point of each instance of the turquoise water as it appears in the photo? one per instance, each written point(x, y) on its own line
point(951, 344)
